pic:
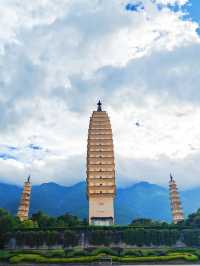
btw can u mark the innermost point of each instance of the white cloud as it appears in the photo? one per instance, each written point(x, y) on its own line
point(59, 57)
point(185, 171)
point(172, 2)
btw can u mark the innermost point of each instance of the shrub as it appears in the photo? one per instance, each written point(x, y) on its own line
point(52, 238)
point(118, 250)
point(40, 259)
point(186, 257)
point(77, 253)
point(131, 252)
point(70, 238)
point(141, 237)
point(4, 255)
point(104, 250)
point(99, 237)
point(56, 253)
point(34, 258)
point(68, 251)
point(27, 258)
point(191, 237)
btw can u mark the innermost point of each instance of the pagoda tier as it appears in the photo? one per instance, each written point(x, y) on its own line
point(176, 209)
point(100, 169)
point(23, 210)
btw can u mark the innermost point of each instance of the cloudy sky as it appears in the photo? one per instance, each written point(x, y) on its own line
point(141, 58)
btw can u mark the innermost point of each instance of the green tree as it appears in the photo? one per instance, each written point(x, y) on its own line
point(66, 220)
point(69, 220)
point(7, 223)
point(43, 220)
point(129, 237)
point(145, 222)
point(193, 219)
point(28, 224)
point(101, 237)
point(70, 238)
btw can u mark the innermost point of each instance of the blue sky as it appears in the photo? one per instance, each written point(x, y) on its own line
point(58, 58)
point(193, 7)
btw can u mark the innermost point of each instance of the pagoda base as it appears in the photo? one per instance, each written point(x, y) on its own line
point(102, 221)
point(101, 211)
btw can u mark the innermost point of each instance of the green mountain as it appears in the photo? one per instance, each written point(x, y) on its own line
point(142, 200)
point(139, 200)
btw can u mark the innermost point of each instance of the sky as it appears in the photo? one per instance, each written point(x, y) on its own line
point(141, 58)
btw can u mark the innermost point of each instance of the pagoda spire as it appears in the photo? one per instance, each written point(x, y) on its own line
point(176, 208)
point(23, 210)
point(99, 108)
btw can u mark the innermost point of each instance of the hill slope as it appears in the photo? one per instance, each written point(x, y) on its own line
point(139, 200)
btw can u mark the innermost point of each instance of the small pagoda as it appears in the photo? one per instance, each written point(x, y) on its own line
point(23, 210)
point(176, 208)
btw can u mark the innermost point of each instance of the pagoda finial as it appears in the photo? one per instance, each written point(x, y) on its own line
point(28, 179)
point(171, 177)
point(99, 104)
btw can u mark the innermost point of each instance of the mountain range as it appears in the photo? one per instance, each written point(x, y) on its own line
point(139, 200)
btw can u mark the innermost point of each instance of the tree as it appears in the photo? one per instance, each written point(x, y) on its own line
point(69, 220)
point(147, 222)
point(43, 220)
point(193, 219)
point(7, 223)
point(28, 224)
point(66, 220)
point(70, 238)
point(191, 237)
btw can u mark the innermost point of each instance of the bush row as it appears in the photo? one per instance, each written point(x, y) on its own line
point(35, 258)
point(133, 237)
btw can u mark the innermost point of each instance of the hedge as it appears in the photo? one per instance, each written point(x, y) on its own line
point(186, 257)
point(97, 237)
point(34, 258)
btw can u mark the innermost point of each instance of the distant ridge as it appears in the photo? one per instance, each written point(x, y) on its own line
point(139, 200)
